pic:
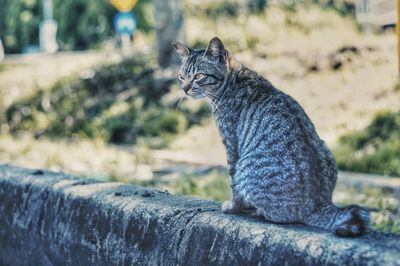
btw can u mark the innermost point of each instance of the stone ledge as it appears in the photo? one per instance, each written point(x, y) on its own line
point(54, 219)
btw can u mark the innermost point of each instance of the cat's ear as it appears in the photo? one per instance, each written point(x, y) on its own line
point(216, 49)
point(181, 49)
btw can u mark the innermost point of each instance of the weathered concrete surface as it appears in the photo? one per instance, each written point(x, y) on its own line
point(54, 219)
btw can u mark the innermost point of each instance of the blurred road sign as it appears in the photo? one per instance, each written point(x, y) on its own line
point(124, 5)
point(125, 23)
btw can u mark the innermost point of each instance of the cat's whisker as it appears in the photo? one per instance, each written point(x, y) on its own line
point(176, 101)
point(214, 100)
point(182, 109)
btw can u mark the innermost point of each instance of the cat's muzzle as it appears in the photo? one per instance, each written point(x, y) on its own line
point(186, 88)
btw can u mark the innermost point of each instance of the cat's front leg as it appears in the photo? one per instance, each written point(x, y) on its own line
point(236, 205)
point(232, 206)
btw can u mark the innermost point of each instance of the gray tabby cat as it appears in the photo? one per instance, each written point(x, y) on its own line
point(278, 166)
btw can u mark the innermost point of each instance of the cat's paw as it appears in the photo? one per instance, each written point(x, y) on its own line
point(229, 207)
point(237, 207)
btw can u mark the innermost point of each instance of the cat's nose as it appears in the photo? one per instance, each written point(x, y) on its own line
point(187, 87)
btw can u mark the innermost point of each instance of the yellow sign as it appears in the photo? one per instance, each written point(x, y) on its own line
point(124, 5)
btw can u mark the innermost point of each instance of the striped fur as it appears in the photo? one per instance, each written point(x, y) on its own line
point(277, 163)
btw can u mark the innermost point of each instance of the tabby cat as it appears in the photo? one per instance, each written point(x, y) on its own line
point(278, 166)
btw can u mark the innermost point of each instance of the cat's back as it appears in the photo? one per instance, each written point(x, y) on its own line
point(278, 132)
point(274, 117)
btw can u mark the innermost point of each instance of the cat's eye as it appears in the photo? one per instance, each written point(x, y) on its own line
point(198, 76)
point(180, 77)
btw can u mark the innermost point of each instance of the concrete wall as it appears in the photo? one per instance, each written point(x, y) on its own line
point(53, 219)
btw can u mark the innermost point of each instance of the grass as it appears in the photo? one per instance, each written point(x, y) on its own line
point(92, 158)
point(374, 149)
point(214, 185)
point(4, 67)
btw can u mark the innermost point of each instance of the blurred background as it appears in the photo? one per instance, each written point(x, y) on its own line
point(90, 88)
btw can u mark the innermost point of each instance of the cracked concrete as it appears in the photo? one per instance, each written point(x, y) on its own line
point(54, 219)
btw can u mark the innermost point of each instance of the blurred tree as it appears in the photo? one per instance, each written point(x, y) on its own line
point(344, 7)
point(255, 6)
point(82, 24)
point(19, 24)
point(168, 24)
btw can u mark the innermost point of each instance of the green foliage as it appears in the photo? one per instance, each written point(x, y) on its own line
point(376, 149)
point(117, 103)
point(19, 23)
point(81, 24)
point(213, 186)
point(155, 120)
point(224, 8)
point(343, 7)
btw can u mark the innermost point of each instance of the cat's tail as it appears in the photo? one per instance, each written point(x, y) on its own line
point(349, 221)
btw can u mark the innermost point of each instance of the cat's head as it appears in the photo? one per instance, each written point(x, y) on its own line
point(203, 72)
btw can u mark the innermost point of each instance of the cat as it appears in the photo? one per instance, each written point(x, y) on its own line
point(277, 164)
